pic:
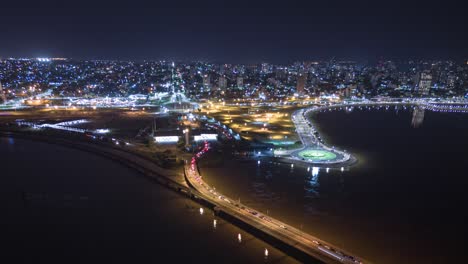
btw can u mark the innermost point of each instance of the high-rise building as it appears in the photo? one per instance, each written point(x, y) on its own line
point(222, 83)
point(349, 77)
point(301, 82)
point(424, 83)
point(240, 82)
point(346, 92)
point(2, 94)
point(266, 68)
point(207, 82)
point(451, 79)
point(222, 68)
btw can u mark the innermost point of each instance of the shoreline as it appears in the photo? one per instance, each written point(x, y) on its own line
point(311, 141)
point(188, 191)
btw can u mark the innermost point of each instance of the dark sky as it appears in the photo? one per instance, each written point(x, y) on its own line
point(235, 31)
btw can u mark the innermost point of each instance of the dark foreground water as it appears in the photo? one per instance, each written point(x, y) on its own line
point(62, 205)
point(404, 202)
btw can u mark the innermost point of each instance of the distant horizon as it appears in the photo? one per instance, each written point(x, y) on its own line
point(218, 61)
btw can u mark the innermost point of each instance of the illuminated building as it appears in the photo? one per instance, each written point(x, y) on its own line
point(451, 80)
point(206, 137)
point(301, 81)
point(207, 82)
point(240, 82)
point(424, 83)
point(166, 139)
point(222, 83)
point(2, 94)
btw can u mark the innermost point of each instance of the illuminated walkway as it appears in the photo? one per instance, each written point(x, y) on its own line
point(311, 141)
point(313, 151)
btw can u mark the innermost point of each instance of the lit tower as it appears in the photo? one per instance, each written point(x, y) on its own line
point(172, 79)
point(176, 81)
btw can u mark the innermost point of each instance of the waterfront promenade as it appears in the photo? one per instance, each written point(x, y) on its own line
point(312, 248)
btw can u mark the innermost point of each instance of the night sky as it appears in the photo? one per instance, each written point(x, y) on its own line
point(238, 32)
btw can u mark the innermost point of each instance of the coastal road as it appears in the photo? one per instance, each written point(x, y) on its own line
point(312, 246)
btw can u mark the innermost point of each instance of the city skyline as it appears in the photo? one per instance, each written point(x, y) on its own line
point(22, 78)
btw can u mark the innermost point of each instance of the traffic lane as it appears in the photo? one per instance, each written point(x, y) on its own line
point(287, 234)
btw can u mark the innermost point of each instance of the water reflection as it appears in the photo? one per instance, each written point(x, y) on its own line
point(315, 171)
point(380, 191)
point(8, 140)
point(312, 184)
point(418, 117)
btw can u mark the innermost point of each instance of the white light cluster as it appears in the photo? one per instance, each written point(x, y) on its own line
point(102, 131)
point(206, 137)
point(43, 59)
point(167, 139)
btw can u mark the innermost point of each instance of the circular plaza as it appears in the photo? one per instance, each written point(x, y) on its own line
point(321, 156)
point(317, 155)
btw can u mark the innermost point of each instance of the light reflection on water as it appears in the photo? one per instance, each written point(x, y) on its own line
point(395, 183)
point(8, 140)
point(312, 186)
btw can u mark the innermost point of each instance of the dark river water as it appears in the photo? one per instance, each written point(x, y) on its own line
point(404, 202)
point(68, 206)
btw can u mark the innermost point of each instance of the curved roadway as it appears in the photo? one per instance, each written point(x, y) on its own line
point(306, 243)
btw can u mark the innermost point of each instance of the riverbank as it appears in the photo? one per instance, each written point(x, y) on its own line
point(61, 205)
point(142, 165)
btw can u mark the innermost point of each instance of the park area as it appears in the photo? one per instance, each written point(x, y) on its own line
point(317, 155)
